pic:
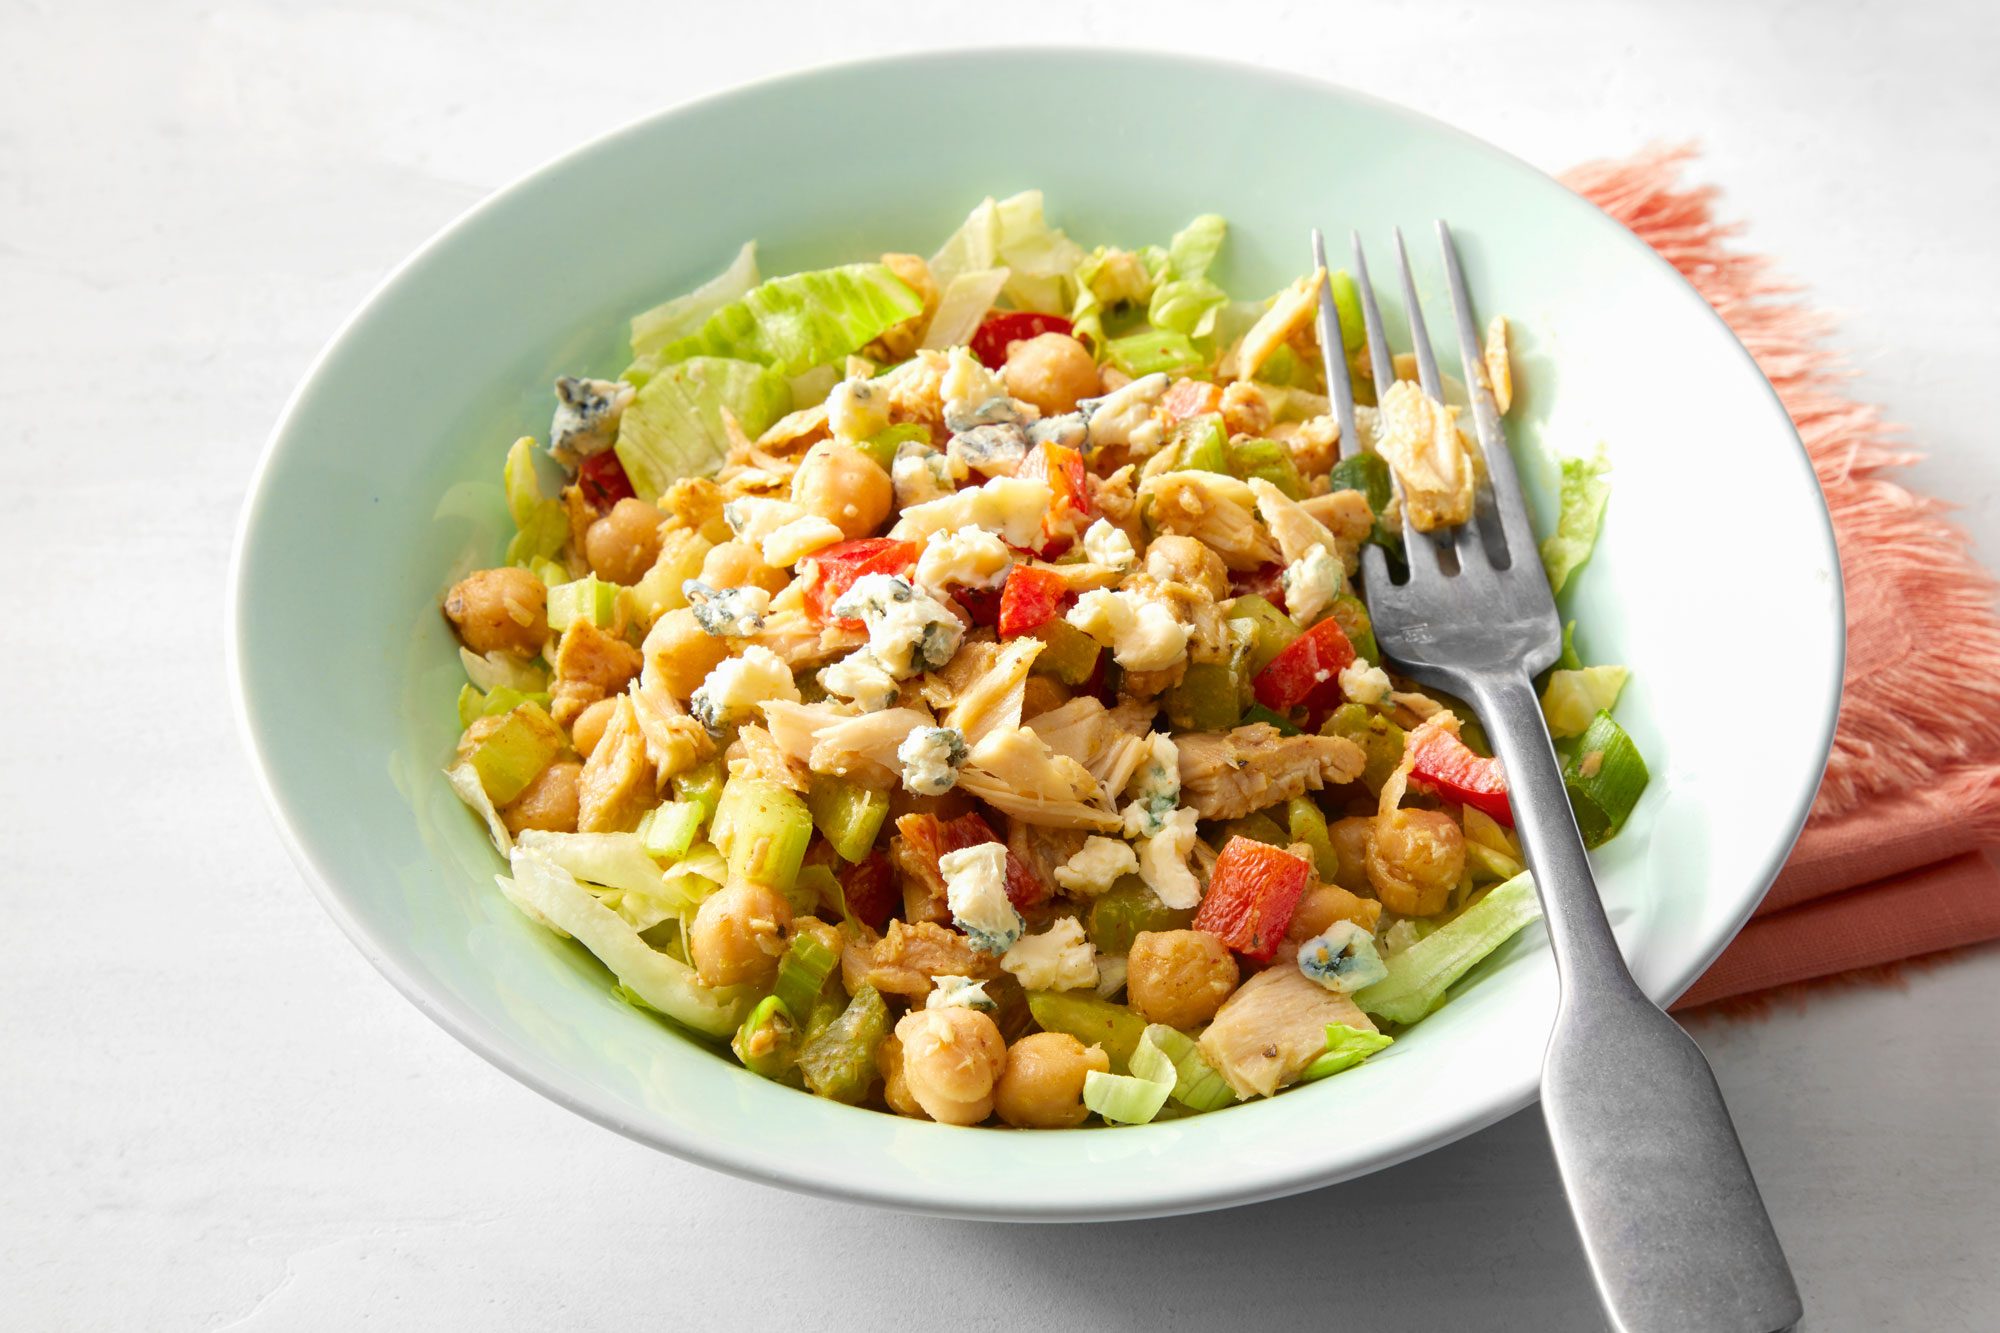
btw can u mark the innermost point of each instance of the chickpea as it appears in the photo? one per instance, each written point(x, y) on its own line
point(588, 729)
point(549, 802)
point(740, 565)
point(843, 486)
point(896, 1088)
point(951, 1060)
point(1173, 558)
point(1325, 904)
point(682, 653)
point(738, 934)
point(1351, 838)
point(1415, 861)
point(623, 544)
point(1043, 1085)
point(502, 610)
point(1179, 977)
point(1052, 371)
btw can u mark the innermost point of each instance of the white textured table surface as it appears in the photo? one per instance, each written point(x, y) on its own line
point(213, 1113)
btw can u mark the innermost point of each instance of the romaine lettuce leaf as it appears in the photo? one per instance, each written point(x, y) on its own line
point(1582, 498)
point(1420, 975)
point(674, 426)
point(965, 302)
point(681, 316)
point(540, 525)
point(794, 323)
point(1012, 233)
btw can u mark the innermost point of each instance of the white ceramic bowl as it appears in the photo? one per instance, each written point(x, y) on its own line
point(1716, 580)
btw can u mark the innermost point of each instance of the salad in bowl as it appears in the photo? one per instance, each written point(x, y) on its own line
point(943, 684)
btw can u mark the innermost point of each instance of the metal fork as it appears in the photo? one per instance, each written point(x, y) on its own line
point(1671, 1221)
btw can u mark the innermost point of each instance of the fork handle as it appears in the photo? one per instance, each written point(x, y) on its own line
point(1671, 1221)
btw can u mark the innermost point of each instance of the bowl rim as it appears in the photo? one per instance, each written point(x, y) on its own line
point(467, 1025)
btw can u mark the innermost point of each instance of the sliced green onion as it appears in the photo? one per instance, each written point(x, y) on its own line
point(515, 753)
point(768, 1041)
point(1142, 354)
point(1346, 1047)
point(588, 598)
point(670, 831)
point(838, 1060)
point(1208, 698)
point(1134, 1098)
point(1128, 907)
point(763, 829)
point(1420, 975)
point(1606, 776)
point(1308, 825)
point(803, 972)
point(848, 813)
point(1259, 713)
point(1347, 304)
point(1092, 1021)
point(1569, 661)
point(1196, 1084)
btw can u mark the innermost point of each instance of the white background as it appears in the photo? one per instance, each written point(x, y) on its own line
point(213, 1114)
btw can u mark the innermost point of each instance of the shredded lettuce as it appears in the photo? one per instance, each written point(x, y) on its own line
point(1573, 697)
point(496, 669)
point(794, 323)
point(1013, 234)
point(620, 861)
point(551, 895)
point(674, 426)
point(1346, 1047)
point(1196, 1084)
point(1582, 497)
point(541, 526)
point(1134, 1098)
point(678, 318)
point(1420, 974)
point(1185, 301)
point(964, 303)
point(465, 781)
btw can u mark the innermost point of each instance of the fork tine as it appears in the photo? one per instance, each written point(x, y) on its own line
point(1334, 352)
point(1420, 338)
point(1510, 508)
point(1371, 319)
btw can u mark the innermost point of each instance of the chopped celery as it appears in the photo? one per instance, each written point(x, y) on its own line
point(1267, 459)
point(471, 706)
point(815, 887)
point(1203, 444)
point(1282, 368)
point(1126, 908)
point(671, 829)
point(1259, 713)
point(1367, 472)
point(1092, 1021)
point(514, 754)
point(1134, 1098)
point(1420, 975)
point(1208, 698)
point(1308, 825)
point(505, 699)
point(588, 598)
point(849, 814)
point(1351, 614)
point(702, 785)
point(1067, 653)
point(838, 1060)
point(1606, 776)
point(1142, 354)
point(1379, 738)
point(1256, 826)
point(1346, 1047)
point(1196, 1084)
point(1347, 304)
point(1274, 630)
point(883, 445)
point(768, 1041)
point(803, 972)
point(763, 829)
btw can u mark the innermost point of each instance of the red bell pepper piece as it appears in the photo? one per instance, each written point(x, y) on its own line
point(1307, 670)
point(1446, 765)
point(1031, 598)
point(1252, 893)
point(1061, 469)
point(1002, 329)
point(934, 838)
point(831, 571)
point(1192, 398)
point(870, 889)
point(602, 479)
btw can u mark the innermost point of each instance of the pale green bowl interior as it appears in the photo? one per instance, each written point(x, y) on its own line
point(1716, 579)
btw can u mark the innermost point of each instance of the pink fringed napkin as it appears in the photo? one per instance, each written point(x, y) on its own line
point(1892, 863)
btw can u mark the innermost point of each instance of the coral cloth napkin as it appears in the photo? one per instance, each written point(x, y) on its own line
point(1892, 863)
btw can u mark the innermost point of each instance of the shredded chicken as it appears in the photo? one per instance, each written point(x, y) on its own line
point(617, 785)
point(1225, 775)
point(1108, 742)
point(1275, 1025)
point(1042, 849)
point(1017, 773)
point(829, 738)
point(1495, 367)
point(1213, 508)
point(1291, 313)
point(696, 505)
point(590, 665)
point(756, 755)
point(1421, 443)
point(675, 742)
point(904, 961)
point(990, 700)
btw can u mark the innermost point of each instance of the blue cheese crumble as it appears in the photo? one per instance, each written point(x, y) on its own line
point(1096, 866)
point(1311, 582)
point(727, 612)
point(1163, 861)
point(921, 474)
point(975, 884)
point(587, 417)
point(950, 992)
point(737, 685)
point(968, 559)
point(1060, 958)
point(857, 409)
point(931, 758)
point(908, 629)
point(1343, 958)
point(1126, 416)
point(1140, 630)
point(1155, 787)
point(860, 679)
point(1364, 683)
point(1104, 544)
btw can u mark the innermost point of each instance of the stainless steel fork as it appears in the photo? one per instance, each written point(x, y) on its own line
point(1671, 1221)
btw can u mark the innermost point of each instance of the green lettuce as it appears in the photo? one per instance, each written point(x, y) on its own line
point(674, 426)
point(794, 323)
point(1346, 1047)
point(1013, 234)
point(1583, 495)
point(1184, 300)
point(1420, 974)
point(675, 319)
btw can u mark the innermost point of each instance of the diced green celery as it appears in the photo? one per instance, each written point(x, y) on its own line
point(671, 829)
point(1351, 614)
point(1367, 472)
point(1010, 1007)
point(1605, 775)
point(1347, 304)
point(1274, 630)
point(471, 706)
point(1092, 1021)
point(702, 785)
point(1346, 1047)
point(1258, 713)
point(763, 829)
point(658, 590)
point(1256, 826)
point(1267, 459)
point(1141, 354)
point(1127, 908)
point(1208, 698)
point(1420, 975)
point(588, 598)
point(515, 753)
point(815, 887)
point(1282, 368)
point(883, 445)
point(505, 699)
point(848, 813)
point(1067, 653)
point(768, 1041)
point(1203, 444)
point(1379, 738)
point(549, 572)
point(838, 1061)
point(1196, 1084)
point(803, 972)
point(1308, 825)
